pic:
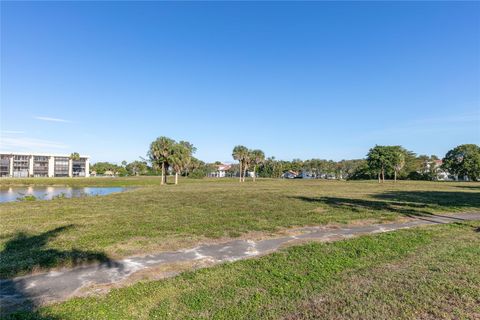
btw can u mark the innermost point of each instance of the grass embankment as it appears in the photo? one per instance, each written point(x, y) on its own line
point(87, 182)
point(421, 273)
point(44, 234)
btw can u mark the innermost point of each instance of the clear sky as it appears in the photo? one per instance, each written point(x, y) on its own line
point(297, 80)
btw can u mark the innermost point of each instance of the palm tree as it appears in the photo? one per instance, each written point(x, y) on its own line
point(399, 160)
point(177, 159)
point(257, 158)
point(180, 157)
point(247, 160)
point(240, 154)
point(160, 153)
point(191, 150)
point(75, 156)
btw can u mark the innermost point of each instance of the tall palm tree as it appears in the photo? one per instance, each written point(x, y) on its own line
point(240, 154)
point(191, 150)
point(247, 160)
point(160, 153)
point(257, 158)
point(178, 158)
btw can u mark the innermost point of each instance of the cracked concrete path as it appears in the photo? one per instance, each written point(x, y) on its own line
point(39, 289)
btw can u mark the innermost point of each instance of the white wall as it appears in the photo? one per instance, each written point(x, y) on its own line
point(51, 166)
point(30, 166)
point(87, 167)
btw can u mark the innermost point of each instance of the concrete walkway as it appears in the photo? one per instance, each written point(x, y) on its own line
point(34, 290)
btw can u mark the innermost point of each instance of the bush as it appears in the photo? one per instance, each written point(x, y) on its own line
point(197, 174)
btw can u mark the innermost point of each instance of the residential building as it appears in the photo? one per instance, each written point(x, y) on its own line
point(23, 165)
point(221, 171)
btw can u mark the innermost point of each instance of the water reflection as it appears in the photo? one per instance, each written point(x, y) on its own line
point(8, 194)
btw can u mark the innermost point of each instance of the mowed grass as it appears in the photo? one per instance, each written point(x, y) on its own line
point(40, 235)
point(422, 273)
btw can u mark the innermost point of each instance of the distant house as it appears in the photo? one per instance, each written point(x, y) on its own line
point(435, 166)
point(220, 170)
point(290, 174)
point(109, 173)
point(442, 175)
point(307, 175)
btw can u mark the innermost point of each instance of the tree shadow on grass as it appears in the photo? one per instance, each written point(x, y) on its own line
point(411, 210)
point(440, 198)
point(27, 315)
point(469, 187)
point(26, 253)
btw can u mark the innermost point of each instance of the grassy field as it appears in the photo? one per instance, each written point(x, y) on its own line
point(40, 235)
point(422, 273)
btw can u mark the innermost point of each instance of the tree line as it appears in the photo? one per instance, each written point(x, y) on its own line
point(382, 162)
point(167, 156)
point(462, 162)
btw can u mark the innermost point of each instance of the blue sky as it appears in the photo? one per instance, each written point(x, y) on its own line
point(298, 80)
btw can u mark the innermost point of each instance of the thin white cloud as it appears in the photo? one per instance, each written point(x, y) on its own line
point(12, 132)
point(456, 118)
point(51, 119)
point(29, 144)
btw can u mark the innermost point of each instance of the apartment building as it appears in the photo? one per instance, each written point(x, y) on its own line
point(23, 165)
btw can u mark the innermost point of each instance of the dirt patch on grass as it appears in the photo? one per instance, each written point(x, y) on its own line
point(320, 210)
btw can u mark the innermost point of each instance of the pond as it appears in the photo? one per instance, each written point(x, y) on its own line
point(9, 194)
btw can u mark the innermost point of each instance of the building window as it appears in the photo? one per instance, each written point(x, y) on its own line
point(20, 166)
point(78, 168)
point(4, 165)
point(61, 167)
point(40, 166)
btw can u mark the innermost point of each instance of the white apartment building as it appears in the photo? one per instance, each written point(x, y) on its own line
point(23, 165)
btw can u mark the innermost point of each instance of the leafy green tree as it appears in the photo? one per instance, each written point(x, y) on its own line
point(381, 159)
point(297, 165)
point(102, 167)
point(200, 169)
point(159, 154)
point(463, 160)
point(412, 164)
point(194, 166)
point(122, 171)
point(137, 168)
point(270, 168)
point(240, 153)
point(348, 168)
point(362, 172)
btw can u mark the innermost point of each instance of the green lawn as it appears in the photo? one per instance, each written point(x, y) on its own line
point(422, 273)
point(40, 235)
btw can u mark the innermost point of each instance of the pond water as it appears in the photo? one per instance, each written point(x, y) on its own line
point(8, 194)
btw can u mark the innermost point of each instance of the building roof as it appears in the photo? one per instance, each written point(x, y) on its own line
point(223, 167)
point(40, 154)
